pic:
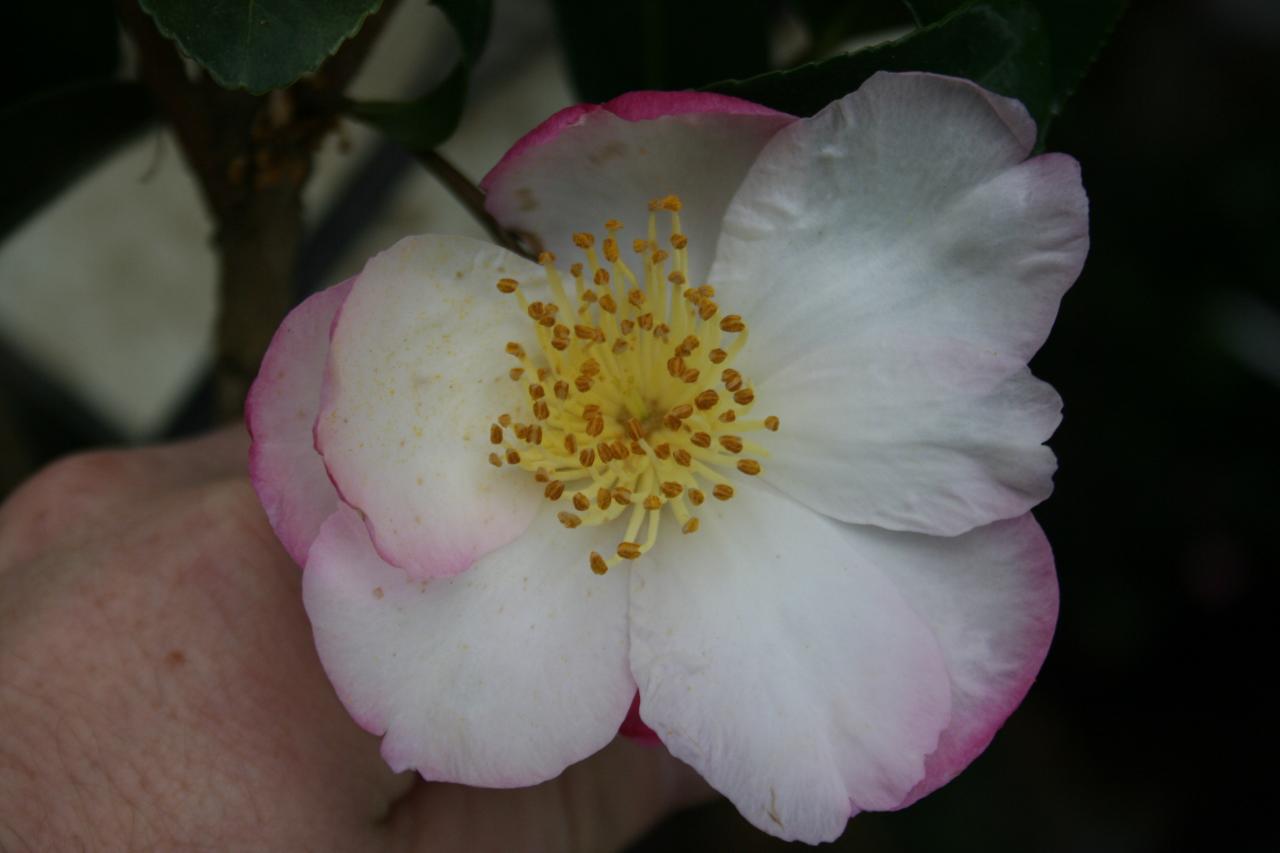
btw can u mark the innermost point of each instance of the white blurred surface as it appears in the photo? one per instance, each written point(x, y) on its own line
point(111, 288)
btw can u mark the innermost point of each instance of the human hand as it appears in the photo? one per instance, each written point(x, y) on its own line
point(159, 689)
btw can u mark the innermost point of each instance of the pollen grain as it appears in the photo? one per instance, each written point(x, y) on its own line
point(627, 360)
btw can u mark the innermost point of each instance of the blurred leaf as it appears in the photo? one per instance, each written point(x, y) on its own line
point(422, 124)
point(927, 11)
point(1076, 32)
point(259, 45)
point(661, 44)
point(999, 44)
point(830, 24)
point(77, 40)
point(63, 133)
point(63, 112)
point(470, 19)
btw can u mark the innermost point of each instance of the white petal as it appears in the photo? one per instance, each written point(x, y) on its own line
point(501, 677)
point(285, 469)
point(905, 213)
point(589, 164)
point(416, 375)
point(911, 433)
point(991, 597)
point(784, 666)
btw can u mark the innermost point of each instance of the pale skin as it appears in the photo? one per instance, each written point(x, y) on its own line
point(159, 689)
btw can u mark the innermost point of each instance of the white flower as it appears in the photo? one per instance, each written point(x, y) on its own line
point(847, 631)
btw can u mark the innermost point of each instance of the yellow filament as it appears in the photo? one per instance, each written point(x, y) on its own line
point(636, 405)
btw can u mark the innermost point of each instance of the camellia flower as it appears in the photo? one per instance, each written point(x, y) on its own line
point(542, 488)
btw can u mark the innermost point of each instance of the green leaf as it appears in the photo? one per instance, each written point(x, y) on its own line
point(259, 45)
point(618, 47)
point(927, 11)
point(999, 44)
point(1076, 32)
point(422, 124)
point(470, 20)
point(57, 136)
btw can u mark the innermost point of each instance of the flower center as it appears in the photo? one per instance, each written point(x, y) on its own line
point(634, 405)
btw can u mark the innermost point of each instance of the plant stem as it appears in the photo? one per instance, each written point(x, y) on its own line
point(472, 198)
point(252, 155)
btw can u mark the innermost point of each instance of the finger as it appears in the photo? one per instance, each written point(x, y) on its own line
point(166, 667)
point(600, 804)
point(82, 495)
point(221, 453)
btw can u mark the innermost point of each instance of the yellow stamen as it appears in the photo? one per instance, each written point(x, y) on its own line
point(617, 373)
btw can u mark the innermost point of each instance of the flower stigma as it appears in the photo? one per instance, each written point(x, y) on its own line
point(634, 406)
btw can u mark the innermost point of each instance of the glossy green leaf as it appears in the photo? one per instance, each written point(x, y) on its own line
point(259, 45)
point(57, 136)
point(1000, 44)
point(1076, 32)
point(618, 47)
point(422, 124)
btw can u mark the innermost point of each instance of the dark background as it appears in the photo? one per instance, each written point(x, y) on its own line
point(1149, 725)
point(1145, 731)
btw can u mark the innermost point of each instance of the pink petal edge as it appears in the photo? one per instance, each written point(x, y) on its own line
point(327, 390)
point(631, 106)
point(440, 560)
point(965, 739)
point(292, 491)
point(326, 394)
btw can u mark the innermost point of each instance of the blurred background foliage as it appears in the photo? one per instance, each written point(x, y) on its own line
point(1144, 731)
